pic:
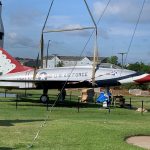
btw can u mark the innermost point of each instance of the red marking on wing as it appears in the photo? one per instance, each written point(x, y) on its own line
point(144, 79)
point(19, 67)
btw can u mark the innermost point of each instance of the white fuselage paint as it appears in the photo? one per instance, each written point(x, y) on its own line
point(63, 74)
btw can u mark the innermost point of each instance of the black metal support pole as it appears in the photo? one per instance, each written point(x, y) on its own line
point(47, 105)
point(70, 95)
point(95, 98)
point(25, 93)
point(130, 103)
point(109, 108)
point(114, 102)
point(142, 107)
point(5, 93)
point(78, 105)
point(16, 101)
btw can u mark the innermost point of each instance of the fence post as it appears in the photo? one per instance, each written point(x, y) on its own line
point(142, 108)
point(95, 97)
point(130, 103)
point(5, 93)
point(47, 105)
point(70, 95)
point(16, 101)
point(78, 104)
point(25, 93)
point(109, 108)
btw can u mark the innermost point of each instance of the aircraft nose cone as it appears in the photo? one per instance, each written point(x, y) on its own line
point(144, 79)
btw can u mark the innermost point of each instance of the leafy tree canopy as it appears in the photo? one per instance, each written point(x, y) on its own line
point(112, 60)
point(139, 67)
point(60, 64)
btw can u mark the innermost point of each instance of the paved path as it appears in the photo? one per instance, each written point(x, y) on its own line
point(141, 141)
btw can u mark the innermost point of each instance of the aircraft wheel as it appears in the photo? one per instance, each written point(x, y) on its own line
point(44, 98)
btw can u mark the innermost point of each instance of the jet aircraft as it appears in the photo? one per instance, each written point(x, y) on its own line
point(15, 75)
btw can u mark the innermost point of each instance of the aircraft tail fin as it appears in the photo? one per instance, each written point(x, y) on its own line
point(8, 64)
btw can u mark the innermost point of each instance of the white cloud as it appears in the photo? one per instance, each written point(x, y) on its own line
point(126, 10)
point(58, 19)
point(99, 7)
point(127, 32)
point(17, 40)
point(12, 35)
point(26, 17)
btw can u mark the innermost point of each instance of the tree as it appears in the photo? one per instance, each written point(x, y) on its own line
point(60, 64)
point(139, 67)
point(112, 60)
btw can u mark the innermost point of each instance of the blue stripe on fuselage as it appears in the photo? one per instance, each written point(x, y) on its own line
point(115, 81)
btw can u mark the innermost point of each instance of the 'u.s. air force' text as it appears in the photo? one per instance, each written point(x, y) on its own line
point(44, 75)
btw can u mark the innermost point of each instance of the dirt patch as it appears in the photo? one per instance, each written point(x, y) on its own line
point(141, 141)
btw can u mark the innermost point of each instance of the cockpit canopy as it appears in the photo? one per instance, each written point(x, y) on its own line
point(108, 65)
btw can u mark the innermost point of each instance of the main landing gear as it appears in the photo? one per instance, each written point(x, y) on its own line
point(44, 97)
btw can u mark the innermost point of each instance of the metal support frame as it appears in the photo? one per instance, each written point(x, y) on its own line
point(95, 53)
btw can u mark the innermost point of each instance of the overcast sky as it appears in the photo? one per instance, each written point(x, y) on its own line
point(23, 22)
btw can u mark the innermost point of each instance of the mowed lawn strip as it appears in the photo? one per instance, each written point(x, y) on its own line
point(66, 129)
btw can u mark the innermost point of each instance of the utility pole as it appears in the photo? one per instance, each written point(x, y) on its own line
point(122, 63)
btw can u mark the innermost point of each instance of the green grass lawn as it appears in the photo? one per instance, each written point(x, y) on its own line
point(93, 128)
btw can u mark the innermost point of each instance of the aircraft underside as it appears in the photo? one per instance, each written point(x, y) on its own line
point(74, 84)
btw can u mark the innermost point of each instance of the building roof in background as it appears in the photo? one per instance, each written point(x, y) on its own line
point(75, 58)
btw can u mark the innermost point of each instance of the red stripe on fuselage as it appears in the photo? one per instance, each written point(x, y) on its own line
point(145, 79)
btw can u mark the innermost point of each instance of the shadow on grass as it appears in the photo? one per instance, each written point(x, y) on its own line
point(12, 122)
point(73, 103)
point(28, 101)
point(6, 148)
point(32, 102)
